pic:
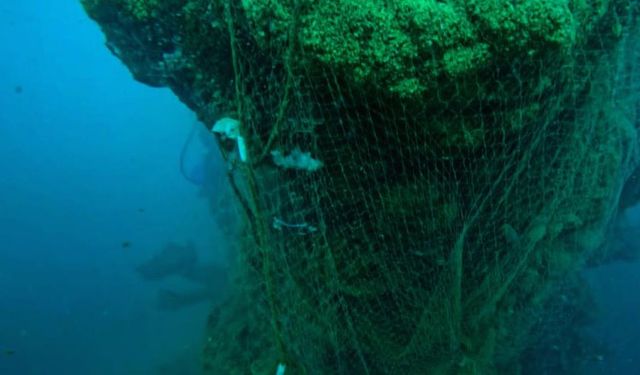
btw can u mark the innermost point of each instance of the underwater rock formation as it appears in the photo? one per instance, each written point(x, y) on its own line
point(473, 155)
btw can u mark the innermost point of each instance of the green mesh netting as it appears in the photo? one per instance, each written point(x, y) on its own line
point(420, 176)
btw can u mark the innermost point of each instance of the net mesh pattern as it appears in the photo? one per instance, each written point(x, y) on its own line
point(435, 227)
point(468, 168)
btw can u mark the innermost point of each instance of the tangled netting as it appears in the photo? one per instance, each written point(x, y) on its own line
point(419, 179)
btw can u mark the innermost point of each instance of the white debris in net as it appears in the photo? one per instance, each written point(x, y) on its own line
point(230, 128)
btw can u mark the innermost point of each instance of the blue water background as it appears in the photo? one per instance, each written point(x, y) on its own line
point(88, 159)
point(83, 150)
point(616, 287)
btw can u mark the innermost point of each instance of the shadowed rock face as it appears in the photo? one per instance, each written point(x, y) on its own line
point(180, 44)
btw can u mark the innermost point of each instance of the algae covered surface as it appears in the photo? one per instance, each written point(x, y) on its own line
point(472, 158)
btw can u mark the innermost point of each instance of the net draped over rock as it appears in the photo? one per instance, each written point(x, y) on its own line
point(422, 178)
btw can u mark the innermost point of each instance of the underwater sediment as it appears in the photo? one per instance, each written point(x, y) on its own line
point(421, 181)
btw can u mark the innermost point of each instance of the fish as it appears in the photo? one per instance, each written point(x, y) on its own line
point(172, 259)
point(210, 280)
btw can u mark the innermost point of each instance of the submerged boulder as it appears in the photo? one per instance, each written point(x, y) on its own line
point(470, 157)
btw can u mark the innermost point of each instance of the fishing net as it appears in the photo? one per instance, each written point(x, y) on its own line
point(418, 179)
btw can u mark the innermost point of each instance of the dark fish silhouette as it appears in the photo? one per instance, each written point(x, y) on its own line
point(173, 259)
point(209, 280)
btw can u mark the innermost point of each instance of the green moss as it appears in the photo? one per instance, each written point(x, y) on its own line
point(530, 25)
point(405, 48)
point(269, 18)
point(465, 59)
point(141, 9)
point(364, 40)
point(420, 51)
